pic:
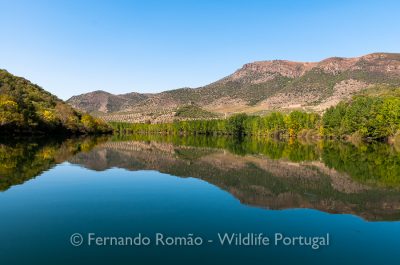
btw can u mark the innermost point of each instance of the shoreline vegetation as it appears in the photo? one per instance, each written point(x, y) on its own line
point(26, 109)
point(373, 115)
point(363, 118)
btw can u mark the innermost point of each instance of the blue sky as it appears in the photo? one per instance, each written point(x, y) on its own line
point(73, 47)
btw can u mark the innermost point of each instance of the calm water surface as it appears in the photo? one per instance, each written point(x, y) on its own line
point(123, 186)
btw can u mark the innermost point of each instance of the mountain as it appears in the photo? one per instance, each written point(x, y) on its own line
point(26, 108)
point(256, 88)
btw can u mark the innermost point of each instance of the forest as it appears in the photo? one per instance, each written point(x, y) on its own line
point(27, 109)
point(367, 117)
point(364, 117)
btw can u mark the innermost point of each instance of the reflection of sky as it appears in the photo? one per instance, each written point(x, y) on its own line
point(38, 217)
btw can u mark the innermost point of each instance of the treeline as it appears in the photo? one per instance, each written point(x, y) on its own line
point(274, 124)
point(363, 117)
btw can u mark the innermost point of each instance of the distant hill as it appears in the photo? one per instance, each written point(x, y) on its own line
point(104, 102)
point(26, 108)
point(256, 88)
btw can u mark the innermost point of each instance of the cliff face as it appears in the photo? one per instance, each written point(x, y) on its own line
point(271, 69)
point(256, 88)
point(377, 62)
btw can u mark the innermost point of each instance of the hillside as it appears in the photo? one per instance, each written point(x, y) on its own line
point(26, 108)
point(257, 88)
point(104, 102)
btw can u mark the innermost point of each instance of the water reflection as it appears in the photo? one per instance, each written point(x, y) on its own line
point(328, 176)
point(24, 160)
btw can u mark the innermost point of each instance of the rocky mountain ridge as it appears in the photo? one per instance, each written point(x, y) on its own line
point(256, 88)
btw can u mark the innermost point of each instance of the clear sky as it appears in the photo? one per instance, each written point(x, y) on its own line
point(73, 47)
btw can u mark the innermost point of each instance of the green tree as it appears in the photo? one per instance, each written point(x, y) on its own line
point(236, 124)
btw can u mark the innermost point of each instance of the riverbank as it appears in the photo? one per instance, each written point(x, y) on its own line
point(366, 117)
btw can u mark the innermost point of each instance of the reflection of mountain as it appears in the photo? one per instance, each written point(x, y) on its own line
point(255, 178)
point(22, 161)
point(330, 177)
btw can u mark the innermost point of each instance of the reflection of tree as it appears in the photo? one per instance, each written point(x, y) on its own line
point(374, 164)
point(21, 161)
point(328, 176)
point(294, 150)
point(269, 174)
